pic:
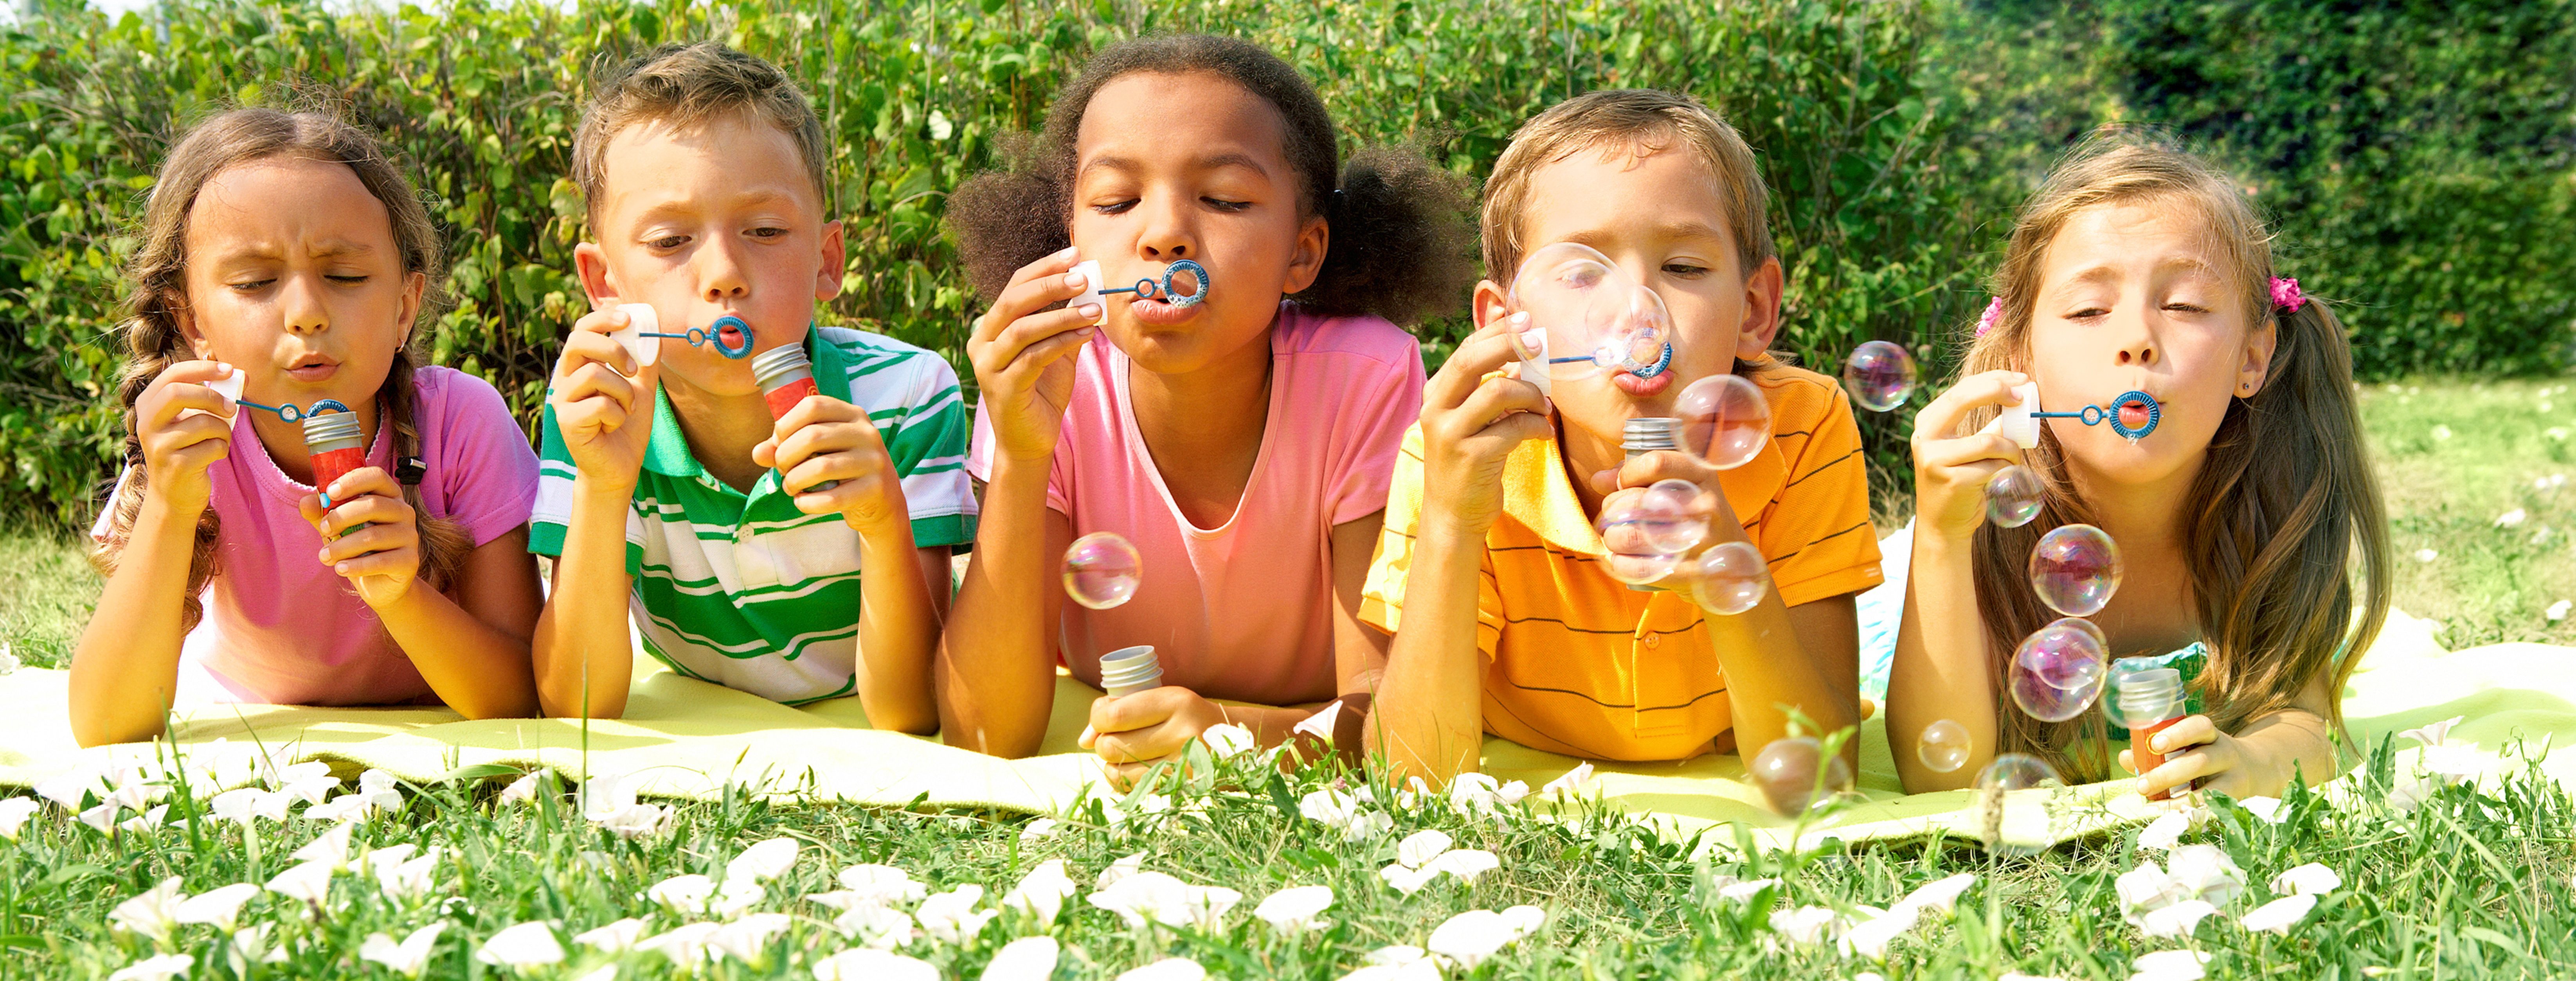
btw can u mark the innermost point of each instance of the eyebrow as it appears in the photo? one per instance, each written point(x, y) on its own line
point(1213, 161)
point(2105, 273)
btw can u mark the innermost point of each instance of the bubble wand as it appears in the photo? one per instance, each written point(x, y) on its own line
point(2020, 422)
point(643, 325)
point(1147, 288)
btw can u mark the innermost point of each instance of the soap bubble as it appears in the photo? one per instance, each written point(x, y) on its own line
point(1101, 570)
point(1730, 578)
point(2075, 569)
point(2057, 672)
point(1944, 746)
point(2017, 815)
point(1786, 771)
point(2013, 496)
point(1596, 318)
point(1645, 534)
point(1669, 516)
point(1725, 420)
point(1879, 376)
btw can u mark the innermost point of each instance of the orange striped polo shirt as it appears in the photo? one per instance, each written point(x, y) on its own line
point(1578, 663)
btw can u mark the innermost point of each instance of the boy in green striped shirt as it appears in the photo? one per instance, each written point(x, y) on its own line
point(668, 489)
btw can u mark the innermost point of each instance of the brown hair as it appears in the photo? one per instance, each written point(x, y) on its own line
point(1398, 231)
point(159, 292)
point(687, 85)
point(2284, 505)
point(1648, 121)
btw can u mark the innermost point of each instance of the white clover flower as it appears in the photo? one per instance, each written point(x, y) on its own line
point(950, 917)
point(881, 927)
point(884, 884)
point(1167, 969)
point(219, 908)
point(1939, 895)
point(869, 964)
point(522, 947)
point(1297, 909)
point(406, 958)
point(1420, 847)
point(614, 938)
point(1804, 926)
point(2269, 809)
point(160, 968)
point(2177, 920)
point(1470, 938)
point(2310, 878)
point(2169, 965)
point(747, 939)
point(152, 913)
point(764, 861)
point(308, 883)
point(522, 790)
point(684, 946)
point(2279, 915)
point(1871, 938)
point(14, 812)
point(1025, 959)
point(1571, 785)
point(2163, 833)
point(1042, 892)
point(1228, 740)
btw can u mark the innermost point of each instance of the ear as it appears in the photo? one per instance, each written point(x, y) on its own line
point(1308, 261)
point(1761, 310)
point(186, 316)
point(591, 263)
point(2257, 365)
point(1490, 304)
point(827, 278)
point(415, 286)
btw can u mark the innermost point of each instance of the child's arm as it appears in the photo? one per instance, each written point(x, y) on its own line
point(824, 438)
point(1941, 669)
point(472, 648)
point(2258, 762)
point(996, 664)
point(1428, 716)
point(584, 658)
point(126, 669)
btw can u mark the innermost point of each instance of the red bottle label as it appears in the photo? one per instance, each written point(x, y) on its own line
point(785, 397)
point(332, 465)
point(2148, 759)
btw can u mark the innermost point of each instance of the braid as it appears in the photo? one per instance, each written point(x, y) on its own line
point(443, 543)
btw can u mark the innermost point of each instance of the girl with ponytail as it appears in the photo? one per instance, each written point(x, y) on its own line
point(1240, 432)
point(285, 254)
point(2255, 544)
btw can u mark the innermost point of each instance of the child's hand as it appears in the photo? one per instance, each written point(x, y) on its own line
point(1950, 472)
point(381, 559)
point(2197, 757)
point(1022, 353)
point(824, 438)
point(604, 413)
point(1133, 732)
point(1472, 418)
point(178, 445)
point(1620, 486)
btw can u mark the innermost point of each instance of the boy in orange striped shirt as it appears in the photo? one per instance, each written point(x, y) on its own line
point(1489, 570)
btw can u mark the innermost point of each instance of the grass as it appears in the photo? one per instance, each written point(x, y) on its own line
point(2475, 882)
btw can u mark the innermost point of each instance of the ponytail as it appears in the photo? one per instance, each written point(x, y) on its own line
point(1399, 243)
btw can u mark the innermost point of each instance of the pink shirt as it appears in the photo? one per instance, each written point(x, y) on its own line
point(1241, 611)
point(282, 628)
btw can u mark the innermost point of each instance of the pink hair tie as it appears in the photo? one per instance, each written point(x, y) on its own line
point(2286, 295)
point(1995, 314)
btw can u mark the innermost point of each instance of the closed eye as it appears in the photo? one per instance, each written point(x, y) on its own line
point(252, 286)
point(666, 243)
point(348, 280)
point(1229, 207)
point(768, 232)
point(1685, 270)
point(2088, 313)
point(2187, 307)
point(1115, 207)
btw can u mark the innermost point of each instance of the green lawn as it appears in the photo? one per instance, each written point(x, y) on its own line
point(2474, 882)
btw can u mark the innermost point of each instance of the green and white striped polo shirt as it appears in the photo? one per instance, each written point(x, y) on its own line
point(745, 590)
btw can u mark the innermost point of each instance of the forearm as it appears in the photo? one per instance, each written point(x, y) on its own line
point(995, 680)
point(583, 656)
point(2286, 746)
point(125, 670)
point(1769, 672)
point(481, 671)
point(1428, 716)
point(898, 633)
point(1940, 671)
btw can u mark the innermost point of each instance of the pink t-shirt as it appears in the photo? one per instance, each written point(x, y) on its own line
point(1241, 611)
point(282, 628)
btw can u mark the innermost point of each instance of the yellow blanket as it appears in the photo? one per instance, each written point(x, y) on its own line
point(689, 740)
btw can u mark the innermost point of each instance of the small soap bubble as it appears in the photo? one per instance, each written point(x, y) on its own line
point(1730, 578)
point(2018, 817)
point(1944, 747)
point(1102, 570)
point(2075, 569)
point(1628, 532)
point(2057, 672)
point(1879, 376)
point(1787, 773)
point(1725, 420)
point(2013, 496)
point(1595, 317)
point(1672, 522)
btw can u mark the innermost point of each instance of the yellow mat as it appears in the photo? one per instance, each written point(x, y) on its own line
point(688, 739)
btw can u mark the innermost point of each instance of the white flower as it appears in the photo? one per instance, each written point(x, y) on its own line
point(9, 663)
point(747, 939)
point(1473, 794)
point(685, 946)
point(1743, 892)
point(2426, 555)
point(146, 821)
point(1167, 969)
point(2557, 611)
point(1320, 725)
point(2511, 518)
point(2169, 965)
point(1420, 848)
point(69, 789)
point(1470, 937)
point(248, 804)
point(309, 883)
point(881, 927)
point(1397, 963)
point(1571, 785)
point(1465, 863)
point(2439, 432)
point(2310, 878)
point(950, 917)
point(406, 958)
point(1228, 740)
point(2018, 976)
point(521, 947)
point(14, 812)
point(2207, 873)
point(1297, 909)
point(609, 802)
point(1341, 811)
point(2177, 920)
point(764, 861)
point(884, 885)
point(161, 968)
point(1025, 959)
point(100, 818)
point(1038, 830)
point(1871, 939)
point(867, 964)
point(250, 945)
point(2279, 915)
point(683, 894)
point(153, 913)
point(615, 938)
point(1406, 881)
point(332, 848)
point(2267, 808)
point(606, 972)
point(2436, 734)
point(2163, 833)
point(219, 908)
point(522, 790)
point(1042, 892)
point(1119, 870)
point(1938, 895)
point(1159, 898)
point(1804, 926)
point(402, 878)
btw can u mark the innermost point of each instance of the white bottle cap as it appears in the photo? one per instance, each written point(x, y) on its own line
point(2017, 423)
point(229, 386)
point(1089, 270)
point(1534, 366)
point(640, 320)
point(1129, 670)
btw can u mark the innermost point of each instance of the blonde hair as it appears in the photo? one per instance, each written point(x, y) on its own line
point(686, 85)
point(158, 275)
point(2283, 505)
point(1648, 121)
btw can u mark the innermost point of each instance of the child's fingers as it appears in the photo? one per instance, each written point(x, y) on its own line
point(1137, 710)
point(381, 535)
point(1982, 447)
point(403, 561)
point(2193, 731)
point(596, 382)
point(176, 399)
point(1490, 404)
point(1032, 342)
point(855, 475)
point(1940, 419)
point(2181, 771)
point(815, 412)
point(590, 344)
point(1482, 353)
point(2128, 761)
point(1034, 287)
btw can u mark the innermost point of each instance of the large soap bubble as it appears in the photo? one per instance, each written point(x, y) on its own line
point(1725, 420)
point(1795, 774)
point(1944, 746)
point(1596, 319)
point(2013, 496)
point(1730, 578)
point(1102, 570)
point(2057, 672)
point(2017, 815)
point(1879, 376)
point(2075, 569)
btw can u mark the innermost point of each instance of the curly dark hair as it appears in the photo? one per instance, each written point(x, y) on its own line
point(1399, 239)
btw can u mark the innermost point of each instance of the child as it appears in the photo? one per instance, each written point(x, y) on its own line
point(703, 169)
point(2139, 267)
point(289, 247)
point(1241, 444)
point(1490, 573)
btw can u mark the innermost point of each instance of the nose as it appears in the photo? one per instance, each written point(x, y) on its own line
point(1171, 231)
point(2138, 347)
point(720, 272)
point(300, 303)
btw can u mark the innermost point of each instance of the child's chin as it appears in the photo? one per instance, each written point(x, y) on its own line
point(712, 374)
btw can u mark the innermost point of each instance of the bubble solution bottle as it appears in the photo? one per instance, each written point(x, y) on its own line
point(2150, 700)
point(786, 376)
point(337, 448)
point(1129, 670)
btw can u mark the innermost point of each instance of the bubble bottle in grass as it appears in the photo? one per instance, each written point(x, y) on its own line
point(786, 376)
point(2147, 702)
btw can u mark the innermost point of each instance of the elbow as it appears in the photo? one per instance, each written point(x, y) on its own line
point(92, 731)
